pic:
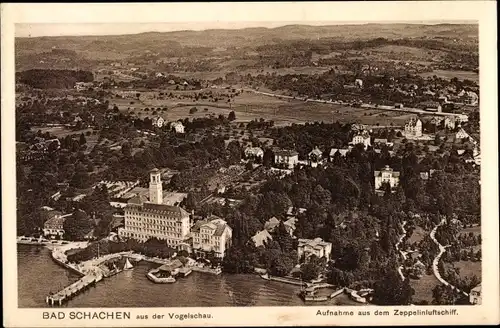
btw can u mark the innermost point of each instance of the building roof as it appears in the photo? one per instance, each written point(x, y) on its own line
point(253, 151)
point(175, 264)
point(55, 218)
point(290, 223)
point(316, 243)
point(261, 237)
point(285, 152)
point(214, 223)
point(173, 198)
point(155, 170)
point(342, 152)
point(316, 151)
point(413, 122)
point(162, 209)
point(295, 210)
point(271, 223)
point(476, 289)
point(386, 169)
point(177, 123)
point(376, 140)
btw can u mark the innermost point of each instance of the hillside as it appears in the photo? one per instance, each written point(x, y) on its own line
point(83, 51)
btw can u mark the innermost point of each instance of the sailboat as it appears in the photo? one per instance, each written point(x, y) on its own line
point(128, 265)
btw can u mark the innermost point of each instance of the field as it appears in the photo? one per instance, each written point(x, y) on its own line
point(249, 106)
point(417, 235)
point(475, 230)
point(423, 287)
point(461, 75)
point(61, 132)
point(467, 268)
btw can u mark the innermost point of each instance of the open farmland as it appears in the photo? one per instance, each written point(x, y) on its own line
point(249, 106)
point(461, 75)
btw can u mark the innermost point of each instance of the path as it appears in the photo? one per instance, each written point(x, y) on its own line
point(442, 250)
point(403, 253)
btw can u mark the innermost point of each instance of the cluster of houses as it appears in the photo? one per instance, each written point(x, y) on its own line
point(160, 122)
point(306, 247)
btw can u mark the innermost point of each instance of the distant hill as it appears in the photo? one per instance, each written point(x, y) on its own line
point(114, 47)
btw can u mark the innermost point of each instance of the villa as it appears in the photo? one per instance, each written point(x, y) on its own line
point(289, 158)
point(158, 121)
point(317, 247)
point(413, 128)
point(386, 175)
point(178, 127)
point(475, 295)
point(362, 138)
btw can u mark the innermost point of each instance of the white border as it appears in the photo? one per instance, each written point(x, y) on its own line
point(227, 14)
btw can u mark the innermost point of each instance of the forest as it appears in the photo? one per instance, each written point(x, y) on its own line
point(53, 79)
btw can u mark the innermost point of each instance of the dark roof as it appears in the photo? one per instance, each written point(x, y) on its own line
point(171, 211)
point(220, 230)
point(155, 170)
point(285, 152)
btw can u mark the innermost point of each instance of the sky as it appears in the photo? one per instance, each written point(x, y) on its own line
point(59, 29)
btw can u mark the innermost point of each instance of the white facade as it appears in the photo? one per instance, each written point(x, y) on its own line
point(318, 247)
point(53, 227)
point(289, 158)
point(362, 138)
point(475, 295)
point(178, 127)
point(158, 121)
point(413, 128)
point(387, 175)
point(210, 235)
point(153, 219)
point(254, 152)
point(461, 134)
point(449, 123)
point(145, 219)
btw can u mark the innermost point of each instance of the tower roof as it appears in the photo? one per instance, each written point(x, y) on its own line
point(155, 170)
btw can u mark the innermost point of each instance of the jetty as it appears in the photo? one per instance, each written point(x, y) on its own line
point(74, 289)
point(286, 280)
point(90, 271)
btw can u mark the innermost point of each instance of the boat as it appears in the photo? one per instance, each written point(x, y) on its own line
point(128, 265)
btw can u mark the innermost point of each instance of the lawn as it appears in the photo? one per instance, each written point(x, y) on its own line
point(417, 235)
point(467, 268)
point(423, 287)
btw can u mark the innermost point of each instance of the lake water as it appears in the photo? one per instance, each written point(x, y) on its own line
point(38, 275)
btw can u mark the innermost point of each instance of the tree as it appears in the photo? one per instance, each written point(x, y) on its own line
point(191, 201)
point(77, 226)
point(392, 291)
point(231, 116)
point(83, 141)
point(80, 179)
point(268, 158)
point(310, 270)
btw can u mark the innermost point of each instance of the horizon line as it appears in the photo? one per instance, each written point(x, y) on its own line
point(25, 28)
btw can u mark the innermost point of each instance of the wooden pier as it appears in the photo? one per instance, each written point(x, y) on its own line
point(72, 290)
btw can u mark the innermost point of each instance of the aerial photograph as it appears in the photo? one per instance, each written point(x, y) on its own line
point(268, 165)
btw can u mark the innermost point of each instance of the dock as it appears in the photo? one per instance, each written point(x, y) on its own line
point(185, 271)
point(74, 289)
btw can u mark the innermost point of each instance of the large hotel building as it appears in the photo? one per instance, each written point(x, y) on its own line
point(145, 219)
